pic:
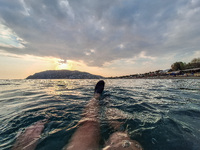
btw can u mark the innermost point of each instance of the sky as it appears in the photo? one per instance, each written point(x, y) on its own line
point(102, 37)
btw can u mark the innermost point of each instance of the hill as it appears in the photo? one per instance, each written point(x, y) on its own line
point(63, 74)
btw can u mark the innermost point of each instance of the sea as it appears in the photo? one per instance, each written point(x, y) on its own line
point(161, 114)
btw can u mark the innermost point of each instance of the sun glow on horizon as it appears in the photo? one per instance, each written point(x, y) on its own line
point(63, 65)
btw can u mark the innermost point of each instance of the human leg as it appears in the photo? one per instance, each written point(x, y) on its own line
point(120, 139)
point(87, 135)
point(29, 138)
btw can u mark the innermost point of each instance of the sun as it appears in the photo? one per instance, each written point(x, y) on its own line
point(62, 66)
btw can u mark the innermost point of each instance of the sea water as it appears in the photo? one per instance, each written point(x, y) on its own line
point(160, 114)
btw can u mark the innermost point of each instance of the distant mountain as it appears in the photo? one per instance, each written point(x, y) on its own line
point(63, 74)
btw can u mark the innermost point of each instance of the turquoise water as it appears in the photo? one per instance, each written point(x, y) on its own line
point(160, 114)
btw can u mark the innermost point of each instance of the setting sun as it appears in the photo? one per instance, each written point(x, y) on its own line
point(62, 66)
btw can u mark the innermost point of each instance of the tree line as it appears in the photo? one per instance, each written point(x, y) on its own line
point(195, 63)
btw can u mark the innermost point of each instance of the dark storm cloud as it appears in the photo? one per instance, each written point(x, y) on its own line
point(112, 29)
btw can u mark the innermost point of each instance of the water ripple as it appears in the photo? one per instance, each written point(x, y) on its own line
point(160, 114)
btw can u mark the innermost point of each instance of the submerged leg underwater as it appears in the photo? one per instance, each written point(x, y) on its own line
point(47, 114)
point(87, 136)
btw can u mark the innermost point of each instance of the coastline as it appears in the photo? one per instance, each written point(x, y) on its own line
point(158, 77)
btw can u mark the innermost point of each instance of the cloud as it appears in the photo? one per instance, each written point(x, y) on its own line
point(9, 39)
point(99, 32)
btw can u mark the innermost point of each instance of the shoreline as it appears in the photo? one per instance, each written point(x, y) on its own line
point(160, 77)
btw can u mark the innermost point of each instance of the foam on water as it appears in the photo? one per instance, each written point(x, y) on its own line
point(160, 114)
